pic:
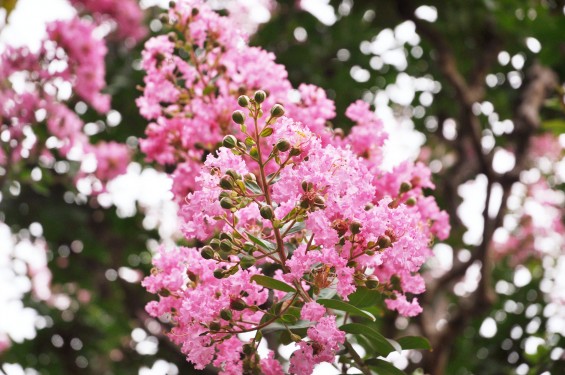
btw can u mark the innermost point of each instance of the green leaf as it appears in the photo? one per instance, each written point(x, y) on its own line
point(271, 283)
point(414, 342)
point(267, 245)
point(383, 367)
point(277, 177)
point(297, 227)
point(381, 344)
point(344, 306)
point(364, 297)
point(253, 187)
point(556, 126)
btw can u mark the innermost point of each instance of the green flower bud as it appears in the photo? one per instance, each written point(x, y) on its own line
point(225, 245)
point(219, 273)
point(226, 203)
point(411, 202)
point(243, 101)
point(238, 117)
point(277, 110)
point(215, 243)
point(246, 262)
point(283, 145)
point(260, 96)
point(384, 242)
point(172, 4)
point(233, 174)
point(226, 183)
point(215, 326)
point(267, 212)
point(250, 177)
point(207, 252)
point(226, 314)
point(372, 282)
point(238, 304)
point(229, 141)
point(295, 151)
point(405, 187)
point(355, 227)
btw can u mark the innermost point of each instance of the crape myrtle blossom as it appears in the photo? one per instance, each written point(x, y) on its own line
point(38, 90)
point(194, 75)
point(274, 195)
point(278, 200)
point(126, 14)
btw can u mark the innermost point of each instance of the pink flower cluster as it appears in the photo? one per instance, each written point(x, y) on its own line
point(284, 199)
point(126, 14)
point(189, 93)
point(37, 123)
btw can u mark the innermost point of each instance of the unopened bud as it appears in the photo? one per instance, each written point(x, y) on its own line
point(225, 245)
point(226, 203)
point(229, 141)
point(283, 145)
point(226, 182)
point(405, 187)
point(260, 96)
point(246, 262)
point(411, 201)
point(238, 117)
point(238, 304)
point(233, 174)
point(250, 177)
point(355, 227)
point(207, 252)
point(294, 337)
point(219, 273)
point(226, 314)
point(295, 151)
point(277, 110)
point(384, 242)
point(215, 243)
point(195, 12)
point(215, 326)
point(267, 212)
point(172, 4)
point(243, 101)
point(372, 282)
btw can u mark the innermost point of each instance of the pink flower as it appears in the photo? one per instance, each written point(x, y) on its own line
point(312, 311)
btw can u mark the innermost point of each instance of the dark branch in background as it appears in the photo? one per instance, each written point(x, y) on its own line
point(471, 161)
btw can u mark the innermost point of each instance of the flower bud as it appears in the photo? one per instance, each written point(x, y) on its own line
point(226, 314)
point(246, 262)
point(207, 252)
point(411, 202)
point(195, 12)
point(226, 183)
point(277, 110)
point(219, 273)
point(372, 282)
point(295, 151)
point(238, 304)
point(225, 245)
point(250, 177)
point(229, 141)
point(238, 117)
point(405, 187)
point(260, 96)
point(172, 4)
point(267, 212)
point(355, 227)
point(233, 174)
point(384, 242)
point(226, 203)
point(215, 326)
point(283, 145)
point(319, 201)
point(243, 101)
point(215, 243)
